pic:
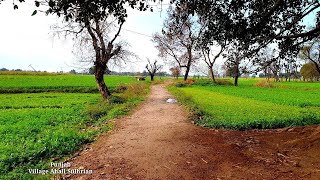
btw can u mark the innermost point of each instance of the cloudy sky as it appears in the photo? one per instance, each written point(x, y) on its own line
point(26, 39)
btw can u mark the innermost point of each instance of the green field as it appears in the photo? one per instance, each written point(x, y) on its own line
point(36, 128)
point(57, 83)
point(248, 106)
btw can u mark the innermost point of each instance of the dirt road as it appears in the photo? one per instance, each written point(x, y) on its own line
point(159, 142)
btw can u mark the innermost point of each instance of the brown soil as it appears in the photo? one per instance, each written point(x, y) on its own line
point(159, 142)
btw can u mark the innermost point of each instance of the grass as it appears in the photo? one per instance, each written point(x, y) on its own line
point(247, 106)
point(37, 128)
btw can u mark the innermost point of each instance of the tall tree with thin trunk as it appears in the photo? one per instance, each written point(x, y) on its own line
point(210, 58)
point(178, 39)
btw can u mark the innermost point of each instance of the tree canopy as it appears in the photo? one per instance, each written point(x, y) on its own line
point(309, 72)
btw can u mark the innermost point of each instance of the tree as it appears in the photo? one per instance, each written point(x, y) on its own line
point(257, 23)
point(4, 69)
point(175, 72)
point(153, 68)
point(237, 64)
point(178, 40)
point(73, 71)
point(311, 52)
point(91, 70)
point(249, 26)
point(309, 71)
point(210, 58)
point(90, 17)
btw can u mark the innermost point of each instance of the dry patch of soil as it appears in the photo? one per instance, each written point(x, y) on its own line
point(158, 142)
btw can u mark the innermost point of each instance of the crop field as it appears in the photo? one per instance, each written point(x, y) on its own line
point(56, 83)
point(248, 106)
point(37, 128)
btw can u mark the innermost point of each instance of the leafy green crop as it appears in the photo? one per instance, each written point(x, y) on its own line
point(38, 127)
point(57, 83)
point(247, 107)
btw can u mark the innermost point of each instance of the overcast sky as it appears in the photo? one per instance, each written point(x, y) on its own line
point(26, 39)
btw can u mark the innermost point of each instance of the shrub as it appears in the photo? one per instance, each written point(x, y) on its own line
point(264, 83)
point(189, 81)
point(97, 111)
point(116, 100)
point(121, 88)
point(180, 85)
point(223, 82)
point(135, 91)
point(204, 82)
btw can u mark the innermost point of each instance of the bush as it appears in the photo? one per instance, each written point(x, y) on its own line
point(208, 82)
point(204, 82)
point(223, 82)
point(264, 83)
point(121, 88)
point(116, 100)
point(180, 85)
point(189, 81)
point(97, 111)
point(135, 90)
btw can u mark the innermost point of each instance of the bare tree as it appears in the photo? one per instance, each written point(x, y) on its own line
point(153, 68)
point(175, 72)
point(178, 39)
point(85, 54)
point(210, 58)
point(90, 17)
point(237, 64)
point(96, 42)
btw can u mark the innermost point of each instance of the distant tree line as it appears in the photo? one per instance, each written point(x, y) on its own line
point(251, 36)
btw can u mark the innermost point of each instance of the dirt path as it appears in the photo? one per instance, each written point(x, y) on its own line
point(158, 142)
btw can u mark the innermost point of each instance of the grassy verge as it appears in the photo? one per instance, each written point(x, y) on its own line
point(249, 107)
point(37, 129)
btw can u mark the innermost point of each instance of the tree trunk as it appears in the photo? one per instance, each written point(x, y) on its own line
point(152, 77)
point(237, 73)
point(188, 64)
point(103, 89)
point(187, 73)
point(212, 74)
point(236, 80)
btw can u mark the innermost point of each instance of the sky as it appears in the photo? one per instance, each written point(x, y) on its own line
point(28, 40)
